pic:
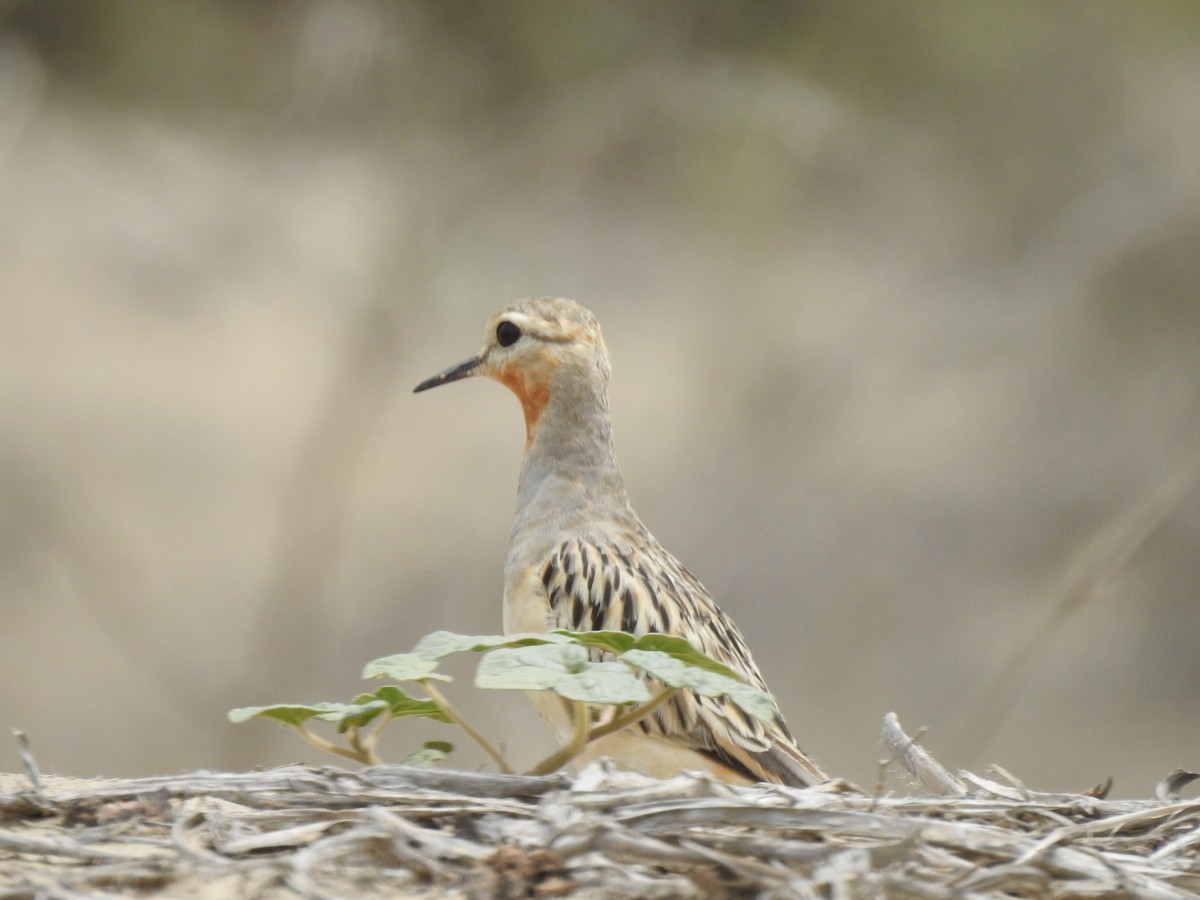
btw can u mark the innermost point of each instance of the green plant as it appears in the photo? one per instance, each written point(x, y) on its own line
point(633, 676)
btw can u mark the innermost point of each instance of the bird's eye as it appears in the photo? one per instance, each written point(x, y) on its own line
point(507, 334)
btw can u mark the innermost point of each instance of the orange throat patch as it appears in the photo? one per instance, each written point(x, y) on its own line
point(531, 384)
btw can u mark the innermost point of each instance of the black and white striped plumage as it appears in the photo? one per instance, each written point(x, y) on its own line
point(638, 587)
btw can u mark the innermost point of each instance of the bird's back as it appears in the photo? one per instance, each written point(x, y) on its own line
point(613, 575)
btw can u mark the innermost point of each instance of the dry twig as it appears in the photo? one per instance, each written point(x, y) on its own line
point(312, 832)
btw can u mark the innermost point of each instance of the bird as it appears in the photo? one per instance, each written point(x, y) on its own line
point(580, 559)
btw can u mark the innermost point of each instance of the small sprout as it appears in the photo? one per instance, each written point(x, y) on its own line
point(431, 754)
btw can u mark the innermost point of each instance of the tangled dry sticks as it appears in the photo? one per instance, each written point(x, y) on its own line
point(399, 831)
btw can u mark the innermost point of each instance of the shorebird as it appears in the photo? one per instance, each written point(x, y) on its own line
point(580, 559)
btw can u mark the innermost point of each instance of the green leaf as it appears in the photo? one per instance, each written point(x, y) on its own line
point(680, 649)
point(401, 705)
point(390, 699)
point(564, 669)
point(674, 672)
point(422, 662)
point(612, 641)
point(355, 714)
point(619, 642)
point(441, 644)
point(291, 714)
point(404, 667)
point(433, 752)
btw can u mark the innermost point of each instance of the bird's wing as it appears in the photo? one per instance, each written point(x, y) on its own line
point(597, 585)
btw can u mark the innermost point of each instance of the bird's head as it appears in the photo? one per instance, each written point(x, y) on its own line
point(539, 348)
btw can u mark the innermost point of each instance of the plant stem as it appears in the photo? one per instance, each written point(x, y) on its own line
point(371, 741)
point(635, 714)
point(321, 744)
point(571, 749)
point(453, 715)
point(363, 746)
point(584, 736)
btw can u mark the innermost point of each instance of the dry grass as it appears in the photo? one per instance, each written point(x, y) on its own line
point(399, 831)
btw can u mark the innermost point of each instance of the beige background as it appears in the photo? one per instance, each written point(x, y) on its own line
point(903, 303)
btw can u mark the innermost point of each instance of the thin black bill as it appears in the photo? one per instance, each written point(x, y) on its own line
point(454, 373)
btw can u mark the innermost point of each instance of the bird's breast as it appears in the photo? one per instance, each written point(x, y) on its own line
point(526, 606)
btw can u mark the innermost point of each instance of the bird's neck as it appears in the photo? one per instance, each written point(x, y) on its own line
point(569, 475)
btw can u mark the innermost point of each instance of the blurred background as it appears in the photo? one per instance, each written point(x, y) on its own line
point(904, 309)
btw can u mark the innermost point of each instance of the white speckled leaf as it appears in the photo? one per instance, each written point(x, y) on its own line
point(564, 669)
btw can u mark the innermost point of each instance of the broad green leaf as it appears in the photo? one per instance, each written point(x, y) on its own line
point(441, 644)
point(433, 752)
point(682, 650)
point(357, 713)
point(404, 667)
point(613, 641)
point(292, 714)
point(520, 639)
point(422, 662)
point(564, 669)
point(536, 668)
point(401, 705)
point(673, 672)
point(390, 699)
point(619, 642)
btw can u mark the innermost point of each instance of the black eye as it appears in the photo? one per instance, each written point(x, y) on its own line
point(507, 334)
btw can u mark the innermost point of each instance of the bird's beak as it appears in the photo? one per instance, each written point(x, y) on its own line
point(454, 373)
